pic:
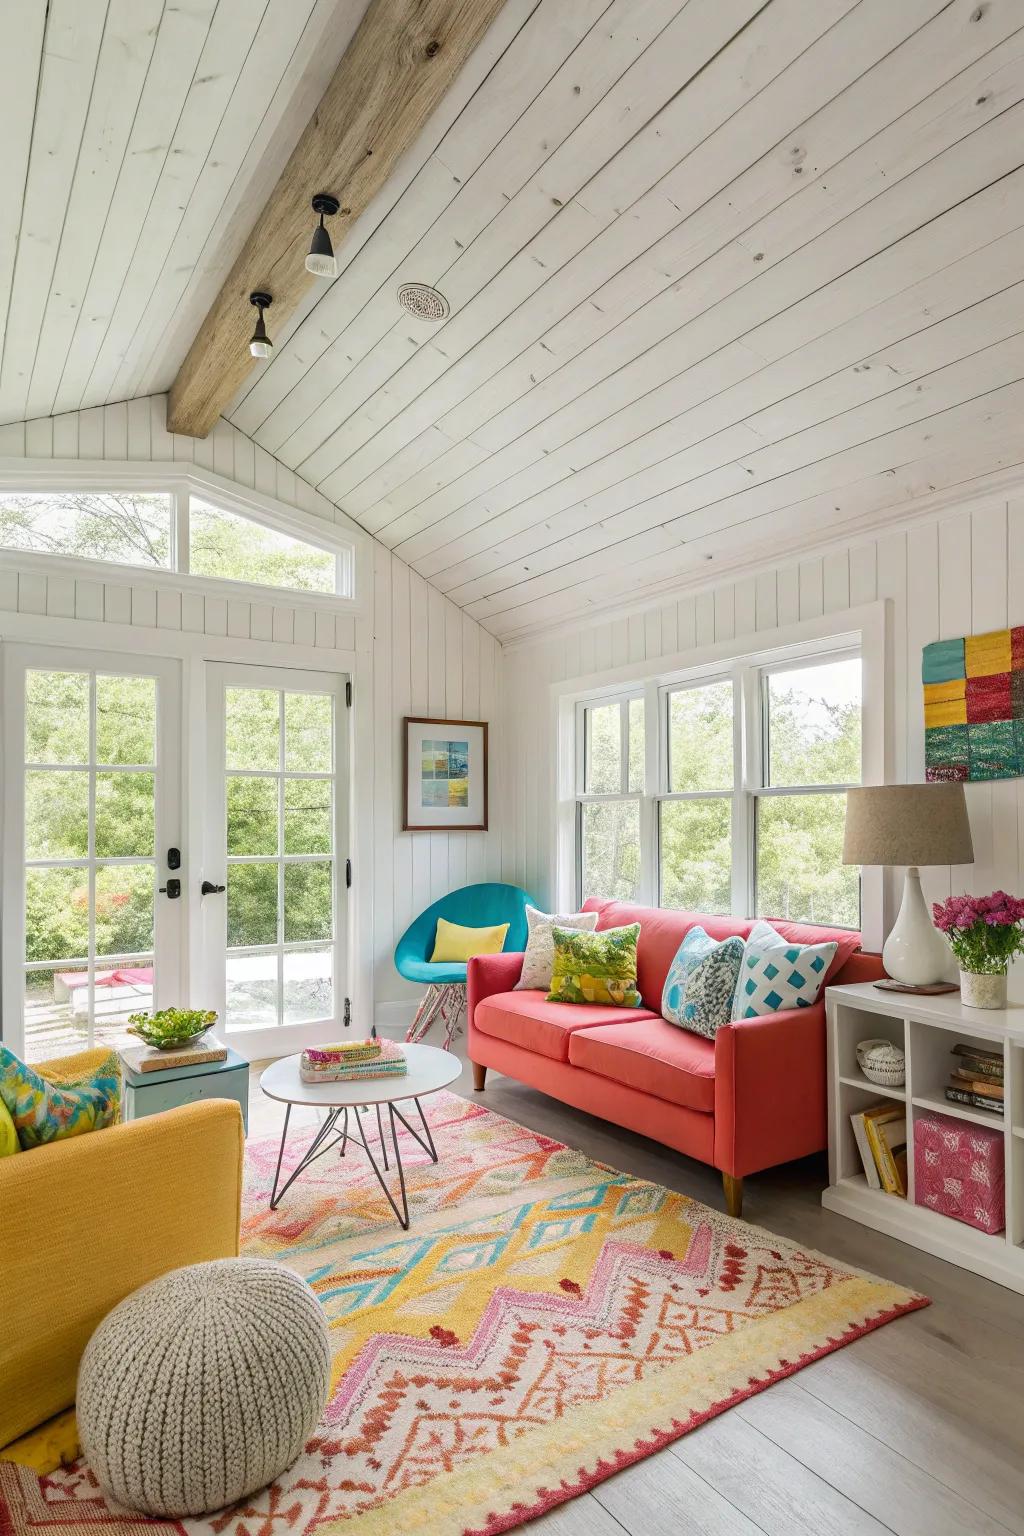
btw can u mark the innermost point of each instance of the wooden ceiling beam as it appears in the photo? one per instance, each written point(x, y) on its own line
point(402, 59)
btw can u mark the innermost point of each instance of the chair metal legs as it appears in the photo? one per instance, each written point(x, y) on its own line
point(448, 1002)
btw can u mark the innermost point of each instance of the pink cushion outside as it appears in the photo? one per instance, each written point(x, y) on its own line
point(656, 1057)
point(527, 1019)
point(662, 930)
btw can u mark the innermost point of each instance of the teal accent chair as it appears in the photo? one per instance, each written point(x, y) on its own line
point(473, 906)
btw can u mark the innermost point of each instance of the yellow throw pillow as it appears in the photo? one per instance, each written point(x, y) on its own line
point(9, 1143)
point(453, 943)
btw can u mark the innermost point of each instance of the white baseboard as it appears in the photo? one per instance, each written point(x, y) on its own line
point(393, 1019)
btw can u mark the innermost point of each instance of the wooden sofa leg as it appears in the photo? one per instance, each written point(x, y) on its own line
point(479, 1076)
point(733, 1194)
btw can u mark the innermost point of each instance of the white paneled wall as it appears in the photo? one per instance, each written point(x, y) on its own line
point(960, 573)
point(427, 657)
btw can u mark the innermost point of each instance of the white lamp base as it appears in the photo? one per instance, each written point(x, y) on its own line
point(915, 952)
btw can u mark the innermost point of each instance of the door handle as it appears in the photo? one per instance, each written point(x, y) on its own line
point(172, 890)
point(209, 889)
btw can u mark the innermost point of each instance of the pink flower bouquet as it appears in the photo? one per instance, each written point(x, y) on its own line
point(984, 932)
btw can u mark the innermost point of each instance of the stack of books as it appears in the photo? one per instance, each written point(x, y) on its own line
point(352, 1061)
point(881, 1135)
point(976, 1078)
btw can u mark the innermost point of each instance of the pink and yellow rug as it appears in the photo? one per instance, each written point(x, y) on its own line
point(545, 1322)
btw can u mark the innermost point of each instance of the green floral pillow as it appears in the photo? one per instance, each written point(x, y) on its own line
point(595, 967)
point(45, 1111)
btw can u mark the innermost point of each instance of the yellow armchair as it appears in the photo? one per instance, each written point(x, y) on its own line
point(85, 1222)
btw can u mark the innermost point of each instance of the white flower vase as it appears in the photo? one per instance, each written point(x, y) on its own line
point(978, 990)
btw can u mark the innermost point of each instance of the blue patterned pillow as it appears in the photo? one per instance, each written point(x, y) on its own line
point(701, 982)
point(777, 974)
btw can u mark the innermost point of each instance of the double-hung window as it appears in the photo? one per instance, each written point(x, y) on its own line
point(740, 805)
point(810, 753)
point(701, 769)
point(610, 780)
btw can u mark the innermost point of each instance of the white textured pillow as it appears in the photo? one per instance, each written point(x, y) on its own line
point(539, 959)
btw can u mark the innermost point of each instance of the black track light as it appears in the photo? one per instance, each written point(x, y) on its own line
point(261, 344)
point(320, 260)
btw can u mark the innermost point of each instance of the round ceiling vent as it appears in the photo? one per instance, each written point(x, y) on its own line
point(423, 301)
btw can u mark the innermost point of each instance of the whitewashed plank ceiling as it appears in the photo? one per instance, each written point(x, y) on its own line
point(139, 138)
point(722, 276)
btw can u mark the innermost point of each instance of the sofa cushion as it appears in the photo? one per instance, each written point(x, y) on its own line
point(662, 930)
point(595, 967)
point(776, 974)
point(701, 983)
point(529, 1020)
point(653, 1056)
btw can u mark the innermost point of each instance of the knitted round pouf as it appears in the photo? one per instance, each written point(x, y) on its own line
point(203, 1386)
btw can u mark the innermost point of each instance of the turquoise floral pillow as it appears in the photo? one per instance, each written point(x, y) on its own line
point(45, 1111)
point(701, 983)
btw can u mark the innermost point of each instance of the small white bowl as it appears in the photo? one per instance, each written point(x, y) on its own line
point(882, 1062)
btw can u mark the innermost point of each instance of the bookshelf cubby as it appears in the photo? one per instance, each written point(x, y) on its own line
point(927, 1028)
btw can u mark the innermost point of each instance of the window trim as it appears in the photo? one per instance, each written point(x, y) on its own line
point(346, 542)
point(865, 629)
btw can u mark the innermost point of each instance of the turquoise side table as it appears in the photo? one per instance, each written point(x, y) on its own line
point(148, 1093)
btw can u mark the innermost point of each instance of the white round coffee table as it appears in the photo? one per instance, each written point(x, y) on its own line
point(430, 1069)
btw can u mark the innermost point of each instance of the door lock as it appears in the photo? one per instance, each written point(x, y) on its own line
point(209, 889)
point(172, 890)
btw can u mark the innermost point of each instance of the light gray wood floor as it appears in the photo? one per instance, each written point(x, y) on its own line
point(917, 1429)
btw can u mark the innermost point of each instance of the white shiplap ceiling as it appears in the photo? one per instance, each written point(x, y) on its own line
point(721, 275)
point(137, 140)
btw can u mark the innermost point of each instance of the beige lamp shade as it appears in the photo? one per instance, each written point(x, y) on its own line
point(907, 824)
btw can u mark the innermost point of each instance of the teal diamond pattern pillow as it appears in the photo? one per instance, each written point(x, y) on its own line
point(776, 975)
point(701, 982)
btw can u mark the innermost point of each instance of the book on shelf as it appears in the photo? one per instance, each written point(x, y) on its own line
point(892, 1138)
point(883, 1157)
point(975, 1100)
point(987, 1087)
point(979, 1062)
point(867, 1157)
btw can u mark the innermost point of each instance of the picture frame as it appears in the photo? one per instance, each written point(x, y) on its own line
point(445, 775)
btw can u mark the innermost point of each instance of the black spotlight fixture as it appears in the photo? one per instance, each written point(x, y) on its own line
point(320, 260)
point(261, 344)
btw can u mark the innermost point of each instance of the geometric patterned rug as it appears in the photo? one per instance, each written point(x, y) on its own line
point(545, 1322)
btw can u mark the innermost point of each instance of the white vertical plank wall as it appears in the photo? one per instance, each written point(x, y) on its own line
point(458, 674)
point(958, 573)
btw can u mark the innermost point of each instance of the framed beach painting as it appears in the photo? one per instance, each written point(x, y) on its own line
point(445, 775)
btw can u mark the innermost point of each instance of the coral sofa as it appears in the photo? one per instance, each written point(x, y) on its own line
point(751, 1098)
point(87, 1220)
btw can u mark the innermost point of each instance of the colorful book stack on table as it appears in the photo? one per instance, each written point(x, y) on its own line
point(353, 1061)
point(976, 1078)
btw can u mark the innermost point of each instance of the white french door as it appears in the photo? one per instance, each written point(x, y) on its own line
point(92, 838)
point(274, 866)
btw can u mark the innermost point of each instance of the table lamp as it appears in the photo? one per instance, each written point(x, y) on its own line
point(911, 825)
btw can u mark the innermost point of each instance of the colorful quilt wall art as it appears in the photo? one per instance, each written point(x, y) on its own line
point(974, 706)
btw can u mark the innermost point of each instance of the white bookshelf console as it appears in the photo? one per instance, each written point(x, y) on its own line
point(927, 1028)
